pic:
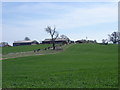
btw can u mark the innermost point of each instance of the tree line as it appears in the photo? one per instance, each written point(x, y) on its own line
point(114, 38)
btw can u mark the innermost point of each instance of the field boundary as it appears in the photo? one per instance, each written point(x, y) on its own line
point(32, 53)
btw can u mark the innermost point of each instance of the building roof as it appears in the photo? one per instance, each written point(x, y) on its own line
point(58, 39)
point(25, 41)
point(2, 44)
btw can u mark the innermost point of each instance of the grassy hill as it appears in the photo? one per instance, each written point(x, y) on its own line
point(6, 50)
point(79, 66)
point(0, 50)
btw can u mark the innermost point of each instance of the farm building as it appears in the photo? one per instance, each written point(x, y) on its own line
point(4, 44)
point(25, 42)
point(57, 41)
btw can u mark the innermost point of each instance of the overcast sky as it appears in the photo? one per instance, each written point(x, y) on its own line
point(77, 20)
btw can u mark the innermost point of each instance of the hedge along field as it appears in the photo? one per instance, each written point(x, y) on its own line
point(6, 50)
point(79, 66)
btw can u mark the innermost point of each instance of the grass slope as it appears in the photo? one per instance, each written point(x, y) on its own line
point(79, 66)
point(6, 50)
point(0, 50)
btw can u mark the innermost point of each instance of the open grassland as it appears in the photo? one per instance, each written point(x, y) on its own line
point(6, 50)
point(79, 66)
point(0, 50)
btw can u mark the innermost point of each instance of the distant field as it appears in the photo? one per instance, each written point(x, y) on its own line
point(6, 50)
point(79, 66)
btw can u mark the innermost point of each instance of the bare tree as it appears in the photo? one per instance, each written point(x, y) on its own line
point(27, 39)
point(53, 33)
point(114, 37)
point(104, 41)
point(65, 37)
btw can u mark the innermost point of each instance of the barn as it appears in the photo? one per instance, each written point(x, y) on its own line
point(4, 44)
point(57, 41)
point(25, 42)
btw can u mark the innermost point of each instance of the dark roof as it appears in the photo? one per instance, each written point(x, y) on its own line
point(58, 39)
point(25, 41)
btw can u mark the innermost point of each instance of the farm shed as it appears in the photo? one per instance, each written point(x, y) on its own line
point(57, 41)
point(25, 42)
point(4, 44)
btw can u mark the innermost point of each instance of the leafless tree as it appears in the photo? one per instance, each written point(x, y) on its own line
point(114, 37)
point(27, 39)
point(104, 41)
point(65, 37)
point(53, 33)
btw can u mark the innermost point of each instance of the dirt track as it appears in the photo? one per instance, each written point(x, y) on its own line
point(29, 53)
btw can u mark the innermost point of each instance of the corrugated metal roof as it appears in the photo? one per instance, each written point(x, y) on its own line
point(29, 41)
point(58, 39)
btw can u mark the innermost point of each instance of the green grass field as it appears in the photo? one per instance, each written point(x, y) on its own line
point(6, 50)
point(0, 50)
point(79, 66)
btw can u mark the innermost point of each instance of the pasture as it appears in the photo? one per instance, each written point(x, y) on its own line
point(0, 50)
point(6, 50)
point(78, 66)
